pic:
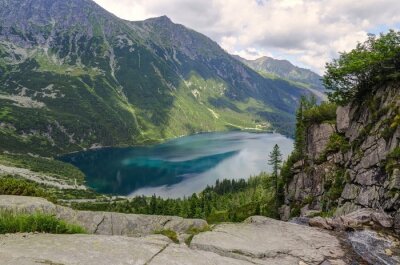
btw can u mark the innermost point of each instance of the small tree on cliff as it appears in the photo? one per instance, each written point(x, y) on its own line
point(355, 73)
point(275, 160)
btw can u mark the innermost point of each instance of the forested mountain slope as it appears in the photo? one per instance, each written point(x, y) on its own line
point(74, 76)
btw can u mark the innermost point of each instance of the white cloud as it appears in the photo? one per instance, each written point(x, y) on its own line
point(309, 32)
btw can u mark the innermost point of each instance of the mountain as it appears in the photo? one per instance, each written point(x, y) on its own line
point(74, 76)
point(284, 69)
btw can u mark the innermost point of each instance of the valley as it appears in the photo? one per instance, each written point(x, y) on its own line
point(127, 141)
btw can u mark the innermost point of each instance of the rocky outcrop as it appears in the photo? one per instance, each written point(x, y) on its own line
point(32, 249)
point(103, 223)
point(259, 240)
point(263, 240)
point(317, 138)
point(353, 220)
point(360, 174)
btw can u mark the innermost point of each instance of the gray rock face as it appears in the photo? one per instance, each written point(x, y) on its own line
point(317, 139)
point(262, 240)
point(102, 223)
point(343, 118)
point(350, 192)
point(364, 182)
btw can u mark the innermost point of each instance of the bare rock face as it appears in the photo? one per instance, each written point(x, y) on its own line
point(354, 175)
point(262, 240)
point(102, 223)
point(317, 139)
point(343, 118)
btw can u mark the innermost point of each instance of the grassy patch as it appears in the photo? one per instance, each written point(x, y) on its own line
point(192, 231)
point(392, 161)
point(324, 113)
point(46, 166)
point(168, 233)
point(25, 223)
point(14, 186)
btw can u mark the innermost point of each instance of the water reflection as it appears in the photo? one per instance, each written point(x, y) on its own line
point(178, 167)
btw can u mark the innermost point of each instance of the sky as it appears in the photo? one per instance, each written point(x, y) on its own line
point(309, 33)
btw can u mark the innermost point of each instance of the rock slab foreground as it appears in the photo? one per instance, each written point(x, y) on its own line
point(258, 240)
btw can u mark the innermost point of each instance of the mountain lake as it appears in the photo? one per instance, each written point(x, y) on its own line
point(179, 167)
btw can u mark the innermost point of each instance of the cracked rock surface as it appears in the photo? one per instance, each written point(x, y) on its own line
point(262, 240)
point(102, 223)
point(258, 240)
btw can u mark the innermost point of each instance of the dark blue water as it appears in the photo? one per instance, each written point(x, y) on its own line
point(178, 167)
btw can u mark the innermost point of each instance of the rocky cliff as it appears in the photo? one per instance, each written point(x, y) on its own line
point(352, 164)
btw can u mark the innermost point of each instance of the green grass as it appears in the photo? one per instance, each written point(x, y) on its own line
point(20, 187)
point(38, 222)
point(51, 167)
point(192, 231)
point(14, 185)
point(168, 233)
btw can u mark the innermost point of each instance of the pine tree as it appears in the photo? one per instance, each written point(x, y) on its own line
point(275, 160)
point(299, 143)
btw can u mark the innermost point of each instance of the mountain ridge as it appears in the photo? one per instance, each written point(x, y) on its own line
point(92, 79)
point(281, 68)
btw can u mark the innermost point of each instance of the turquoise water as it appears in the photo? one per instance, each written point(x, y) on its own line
point(178, 167)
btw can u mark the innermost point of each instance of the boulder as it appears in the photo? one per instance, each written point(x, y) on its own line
point(382, 219)
point(320, 223)
point(262, 240)
point(355, 219)
point(103, 223)
point(358, 218)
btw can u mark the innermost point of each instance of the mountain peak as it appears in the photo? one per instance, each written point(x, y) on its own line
point(284, 69)
point(160, 20)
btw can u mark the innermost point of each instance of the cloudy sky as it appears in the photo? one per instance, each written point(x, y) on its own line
point(306, 32)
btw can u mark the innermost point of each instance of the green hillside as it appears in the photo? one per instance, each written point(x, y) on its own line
point(74, 76)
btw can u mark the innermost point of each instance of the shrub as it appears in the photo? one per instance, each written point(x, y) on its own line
point(355, 73)
point(25, 223)
point(393, 160)
point(21, 187)
point(337, 143)
point(326, 112)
